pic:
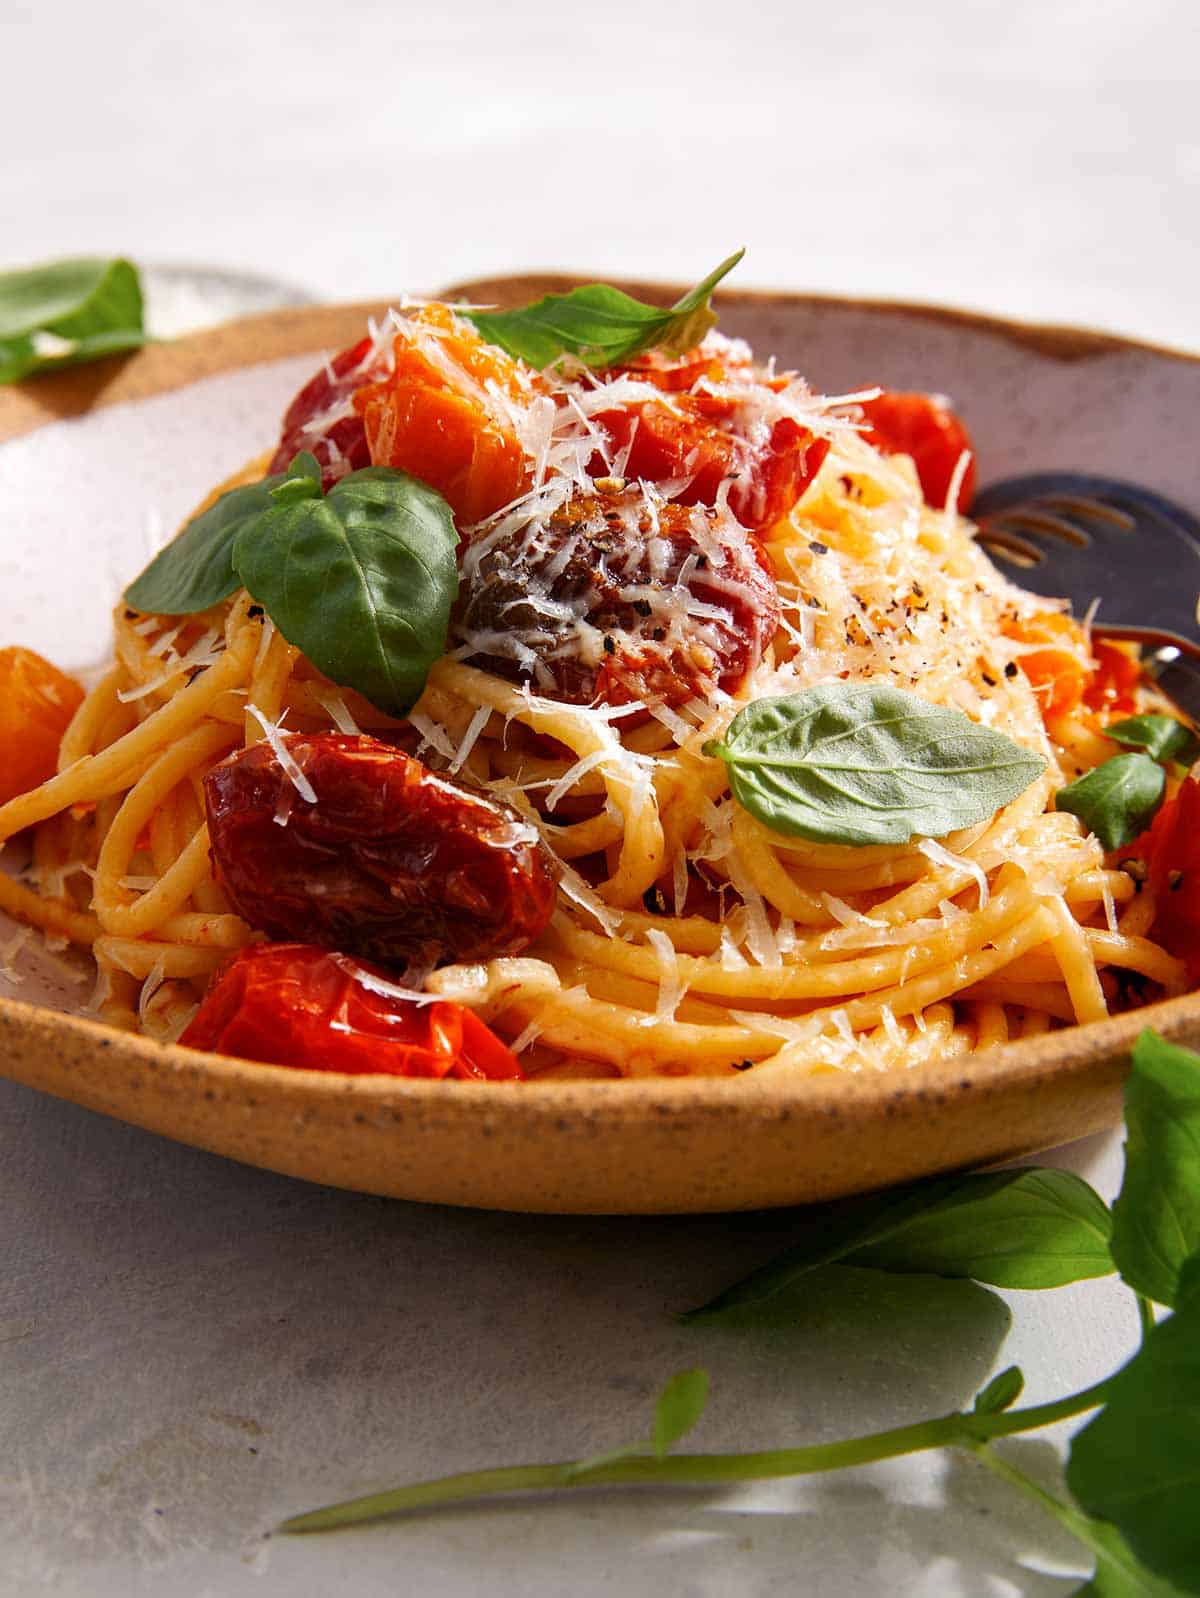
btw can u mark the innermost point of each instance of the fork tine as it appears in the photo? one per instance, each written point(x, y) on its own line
point(1025, 518)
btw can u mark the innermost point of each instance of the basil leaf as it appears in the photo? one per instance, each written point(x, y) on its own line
point(1032, 1228)
point(1156, 1219)
point(1162, 737)
point(853, 764)
point(361, 580)
point(1117, 800)
point(67, 312)
point(196, 570)
point(1137, 1464)
point(680, 1405)
point(1001, 1392)
point(600, 325)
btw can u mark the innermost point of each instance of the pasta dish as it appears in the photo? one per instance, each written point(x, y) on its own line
point(547, 705)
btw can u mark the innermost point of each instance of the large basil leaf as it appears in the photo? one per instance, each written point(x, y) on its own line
point(600, 325)
point(1137, 1464)
point(1162, 737)
point(1156, 1219)
point(195, 570)
point(67, 312)
point(361, 580)
point(854, 764)
point(1117, 800)
point(1032, 1228)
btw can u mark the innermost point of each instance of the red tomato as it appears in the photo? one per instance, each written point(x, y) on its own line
point(922, 426)
point(392, 862)
point(316, 420)
point(1172, 852)
point(1117, 674)
point(694, 435)
point(294, 1004)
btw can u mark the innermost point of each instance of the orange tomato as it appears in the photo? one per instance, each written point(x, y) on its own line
point(37, 702)
point(1060, 671)
point(434, 417)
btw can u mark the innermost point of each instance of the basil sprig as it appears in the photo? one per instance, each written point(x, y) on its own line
point(67, 312)
point(1162, 738)
point(361, 579)
point(1134, 1469)
point(1116, 800)
point(602, 326)
point(854, 764)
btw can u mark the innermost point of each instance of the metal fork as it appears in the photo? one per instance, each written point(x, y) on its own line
point(1071, 535)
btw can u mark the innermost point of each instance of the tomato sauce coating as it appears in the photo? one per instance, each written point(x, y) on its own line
point(393, 862)
point(298, 1005)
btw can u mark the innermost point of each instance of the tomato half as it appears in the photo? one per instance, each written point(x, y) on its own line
point(294, 1004)
point(1172, 852)
point(37, 702)
point(923, 426)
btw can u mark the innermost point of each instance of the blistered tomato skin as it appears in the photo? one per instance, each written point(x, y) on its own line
point(37, 702)
point(393, 862)
point(339, 444)
point(600, 598)
point(296, 1004)
point(923, 426)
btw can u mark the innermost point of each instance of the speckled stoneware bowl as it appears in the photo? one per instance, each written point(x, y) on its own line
point(96, 463)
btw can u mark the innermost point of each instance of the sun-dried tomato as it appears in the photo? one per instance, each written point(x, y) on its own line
point(298, 1005)
point(923, 426)
point(318, 419)
point(392, 862)
point(604, 600)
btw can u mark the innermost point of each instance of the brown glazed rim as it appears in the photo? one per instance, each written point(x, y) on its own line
point(275, 335)
point(1015, 1099)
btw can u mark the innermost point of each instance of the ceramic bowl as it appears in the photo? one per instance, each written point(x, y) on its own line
point(95, 462)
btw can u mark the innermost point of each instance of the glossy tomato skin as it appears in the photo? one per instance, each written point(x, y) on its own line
point(393, 862)
point(37, 702)
point(1111, 692)
point(296, 1004)
point(696, 434)
point(1171, 850)
point(339, 445)
point(595, 569)
point(923, 426)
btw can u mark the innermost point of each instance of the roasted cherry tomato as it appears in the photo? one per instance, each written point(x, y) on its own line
point(1118, 672)
point(1171, 851)
point(37, 702)
point(599, 602)
point(1061, 670)
point(923, 426)
point(321, 421)
point(392, 861)
point(294, 1004)
point(437, 415)
point(702, 437)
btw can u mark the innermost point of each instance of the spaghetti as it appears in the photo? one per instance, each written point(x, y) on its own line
point(688, 937)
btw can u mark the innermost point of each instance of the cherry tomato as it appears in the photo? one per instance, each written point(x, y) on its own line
point(317, 420)
point(1171, 850)
point(697, 435)
point(1061, 670)
point(595, 603)
point(437, 416)
point(923, 426)
point(1118, 672)
point(37, 702)
point(392, 862)
point(295, 1004)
